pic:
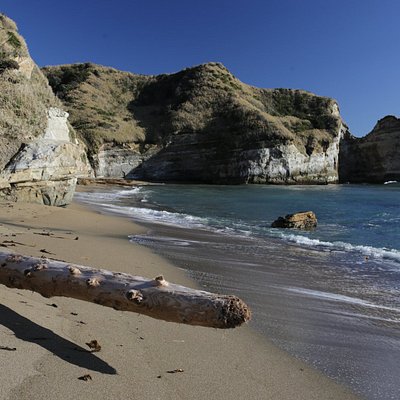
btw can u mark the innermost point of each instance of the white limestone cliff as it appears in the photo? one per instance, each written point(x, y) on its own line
point(46, 169)
point(285, 164)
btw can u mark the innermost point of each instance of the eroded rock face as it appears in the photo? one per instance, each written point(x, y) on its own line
point(57, 125)
point(45, 170)
point(193, 159)
point(305, 220)
point(119, 161)
point(374, 158)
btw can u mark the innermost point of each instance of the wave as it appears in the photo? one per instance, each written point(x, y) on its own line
point(128, 192)
point(226, 226)
point(106, 201)
point(158, 216)
point(189, 221)
point(390, 182)
point(370, 251)
point(99, 196)
point(340, 298)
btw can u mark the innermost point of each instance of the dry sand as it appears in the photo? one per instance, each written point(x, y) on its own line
point(49, 335)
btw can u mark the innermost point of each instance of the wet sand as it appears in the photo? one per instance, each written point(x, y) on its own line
point(309, 302)
point(49, 335)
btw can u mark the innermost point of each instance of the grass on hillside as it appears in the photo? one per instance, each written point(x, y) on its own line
point(23, 101)
point(110, 106)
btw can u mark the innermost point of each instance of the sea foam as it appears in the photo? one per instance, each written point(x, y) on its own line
point(383, 253)
point(340, 298)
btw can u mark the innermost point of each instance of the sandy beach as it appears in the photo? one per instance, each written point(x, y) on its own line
point(49, 335)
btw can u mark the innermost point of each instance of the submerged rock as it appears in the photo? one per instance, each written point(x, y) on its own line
point(302, 220)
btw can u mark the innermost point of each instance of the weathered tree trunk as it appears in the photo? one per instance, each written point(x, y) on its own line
point(155, 298)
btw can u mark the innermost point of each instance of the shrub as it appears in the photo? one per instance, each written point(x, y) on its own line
point(13, 40)
point(8, 64)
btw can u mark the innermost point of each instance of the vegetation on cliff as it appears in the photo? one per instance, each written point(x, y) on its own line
point(25, 95)
point(39, 156)
point(97, 99)
point(110, 106)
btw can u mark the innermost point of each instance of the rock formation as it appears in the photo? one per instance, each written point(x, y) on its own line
point(301, 220)
point(46, 169)
point(374, 158)
point(199, 125)
point(40, 157)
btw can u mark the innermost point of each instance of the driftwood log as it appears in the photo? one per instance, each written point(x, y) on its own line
point(156, 298)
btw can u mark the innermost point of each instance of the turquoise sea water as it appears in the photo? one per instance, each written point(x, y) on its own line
point(356, 218)
point(330, 296)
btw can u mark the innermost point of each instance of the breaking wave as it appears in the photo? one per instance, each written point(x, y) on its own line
point(370, 251)
point(133, 203)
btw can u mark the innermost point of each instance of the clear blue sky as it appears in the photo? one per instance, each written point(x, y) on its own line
point(345, 49)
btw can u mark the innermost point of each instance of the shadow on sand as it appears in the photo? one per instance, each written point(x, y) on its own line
point(68, 351)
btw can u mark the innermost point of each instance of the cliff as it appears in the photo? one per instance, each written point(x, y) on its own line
point(199, 125)
point(40, 156)
point(374, 158)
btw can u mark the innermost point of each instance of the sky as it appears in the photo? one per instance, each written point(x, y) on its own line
point(344, 49)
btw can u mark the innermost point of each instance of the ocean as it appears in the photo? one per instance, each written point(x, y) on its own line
point(330, 296)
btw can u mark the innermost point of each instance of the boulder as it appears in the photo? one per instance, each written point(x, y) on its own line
point(301, 220)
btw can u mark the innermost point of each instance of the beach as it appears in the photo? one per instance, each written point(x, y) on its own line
point(137, 353)
point(328, 296)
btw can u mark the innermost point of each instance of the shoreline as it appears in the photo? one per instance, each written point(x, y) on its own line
point(331, 308)
point(136, 350)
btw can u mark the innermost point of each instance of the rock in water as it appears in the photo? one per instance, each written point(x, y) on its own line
point(302, 220)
